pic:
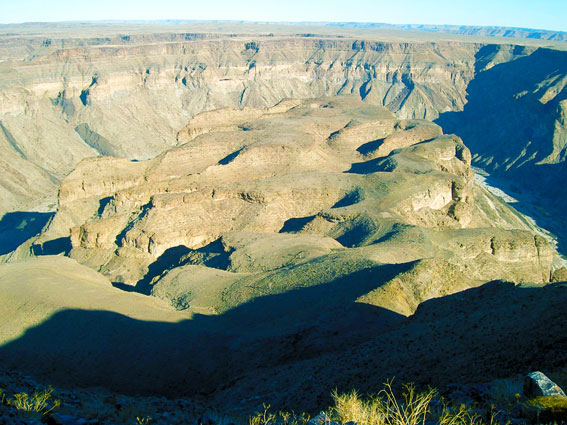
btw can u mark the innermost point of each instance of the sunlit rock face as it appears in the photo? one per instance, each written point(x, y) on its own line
point(266, 205)
point(277, 187)
point(74, 97)
point(314, 230)
point(131, 96)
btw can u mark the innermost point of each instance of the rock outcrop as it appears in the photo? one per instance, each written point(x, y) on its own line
point(260, 229)
point(284, 241)
point(130, 96)
point(536, 384)
point(300, 194)
point(514, 122)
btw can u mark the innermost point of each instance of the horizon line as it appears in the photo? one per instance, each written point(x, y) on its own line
point(271, 22)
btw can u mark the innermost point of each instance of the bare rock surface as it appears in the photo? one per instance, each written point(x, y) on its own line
point(72, 93)
point(233, 230)
point(277, 241)
point(536, 384)
point(286, 188)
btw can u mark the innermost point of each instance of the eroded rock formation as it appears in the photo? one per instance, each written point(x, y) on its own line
point(293, 190)
point(74, 98)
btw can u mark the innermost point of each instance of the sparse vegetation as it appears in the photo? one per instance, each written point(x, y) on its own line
point(265, 417)
point(41, 401)
point(462, 415)
point(410, 407)
point(549, 409)
point(507, 392)
point(390, 406)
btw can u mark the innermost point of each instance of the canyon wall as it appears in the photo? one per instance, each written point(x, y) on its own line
point(67, 99)
point(64, 98)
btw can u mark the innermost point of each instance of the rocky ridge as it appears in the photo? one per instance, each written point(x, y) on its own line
point(314, 177)
point(276, 233)
point(252, 247)
point(66, 99)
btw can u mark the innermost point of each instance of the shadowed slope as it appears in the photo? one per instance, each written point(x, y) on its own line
point(17, 227)
point(509, 120)
point(495, 331)
point(514, 122)
point(284, 348)
point(55, 328)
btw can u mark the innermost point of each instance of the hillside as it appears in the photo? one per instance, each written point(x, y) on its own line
point(232, 214)
point(283, 235)
point(71, 92)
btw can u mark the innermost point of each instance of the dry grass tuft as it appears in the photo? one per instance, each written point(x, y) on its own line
point(412, 408)
point(265, 417)
point(350, 407)
point(461, 415)
point(39, 402)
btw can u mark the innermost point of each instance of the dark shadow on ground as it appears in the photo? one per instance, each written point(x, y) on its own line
point(52, 247)
point(197, 356)
point(18, 227)
point(171, 258)
point(299, 345)
point(102, 204)
point(230, 157)
point(349, 199)
point(370, 147)
point(212, 255)
point(295, 224)
point(366, 167)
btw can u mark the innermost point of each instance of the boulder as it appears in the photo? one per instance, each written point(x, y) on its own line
point(536, 384)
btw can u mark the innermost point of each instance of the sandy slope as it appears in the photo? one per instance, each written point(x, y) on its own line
point(32, 291)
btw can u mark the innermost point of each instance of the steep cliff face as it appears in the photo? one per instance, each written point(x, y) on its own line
point(70, 100)
point(514, 122)
point(284, 235)
point(515, 111)
point(274, 193)
point(65, 98)
point(288, 232)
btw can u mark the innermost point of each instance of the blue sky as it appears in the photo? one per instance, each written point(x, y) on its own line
point(545, 14)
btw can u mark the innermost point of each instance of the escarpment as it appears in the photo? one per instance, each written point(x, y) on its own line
point(238, 211)
point(285, 186)
point(79, 98)
point(514, 123)
point(281, 235)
